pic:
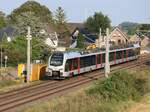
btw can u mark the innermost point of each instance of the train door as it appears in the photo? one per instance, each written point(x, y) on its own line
point(68, 67)
point(75, 66)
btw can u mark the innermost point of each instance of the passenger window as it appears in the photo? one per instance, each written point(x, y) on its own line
point(118, 54)
point(98, 58)
point(93, 60)
point(103, 58)
point(111, 56)
point(131, 53)
point(124, 53)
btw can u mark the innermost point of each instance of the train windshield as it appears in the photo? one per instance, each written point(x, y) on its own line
point(56, 59)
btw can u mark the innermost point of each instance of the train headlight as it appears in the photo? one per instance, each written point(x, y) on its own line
point(61, 70)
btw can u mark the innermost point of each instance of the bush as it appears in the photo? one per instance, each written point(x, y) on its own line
point(120, 86)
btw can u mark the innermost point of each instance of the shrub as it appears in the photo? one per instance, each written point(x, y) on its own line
point(120, 86)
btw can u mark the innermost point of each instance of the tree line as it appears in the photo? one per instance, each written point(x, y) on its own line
point(39, 17)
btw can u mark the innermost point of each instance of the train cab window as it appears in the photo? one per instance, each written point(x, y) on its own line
point(56, 59)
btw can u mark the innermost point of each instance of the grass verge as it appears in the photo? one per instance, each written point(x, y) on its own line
point(116, 94)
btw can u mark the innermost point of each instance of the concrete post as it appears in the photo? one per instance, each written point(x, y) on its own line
point(107, 65)
point(100, 37)
point(6, 61)
point(29, 54)
point(1, 56)
point(1, 59)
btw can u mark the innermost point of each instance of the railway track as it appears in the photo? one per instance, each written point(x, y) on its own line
point(15, 98)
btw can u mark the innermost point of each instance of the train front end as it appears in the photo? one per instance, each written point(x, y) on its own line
point(55, 67)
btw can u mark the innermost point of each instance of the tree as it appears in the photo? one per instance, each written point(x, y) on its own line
point(129, 27)
point(40, 11)
point(28, 19)
point(16, 50)
point(145, 27)
point(60, 21)
point(2, 20)
point(60, 16)
point(33, 14)
point(80, 41)
point(97, 21)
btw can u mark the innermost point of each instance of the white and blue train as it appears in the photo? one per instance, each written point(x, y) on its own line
point(68, 64)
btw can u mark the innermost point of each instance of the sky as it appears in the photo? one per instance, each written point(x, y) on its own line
point(78, 10)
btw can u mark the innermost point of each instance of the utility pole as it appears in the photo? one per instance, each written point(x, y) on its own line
point(6, 57)
point(29, 38)
point(107, 65)
point(1, 59)
point(100, 37)
point(1, 56)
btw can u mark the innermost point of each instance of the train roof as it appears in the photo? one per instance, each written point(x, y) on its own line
point(75, 54)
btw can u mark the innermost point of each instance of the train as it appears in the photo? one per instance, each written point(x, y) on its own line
point(72, 63)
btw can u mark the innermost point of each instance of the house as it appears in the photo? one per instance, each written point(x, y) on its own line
point(145, 41)
point(7, 31)
point(117, 37)
point(2, 14)
point(89, 37)
point(55, 40)
point(78, 28)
